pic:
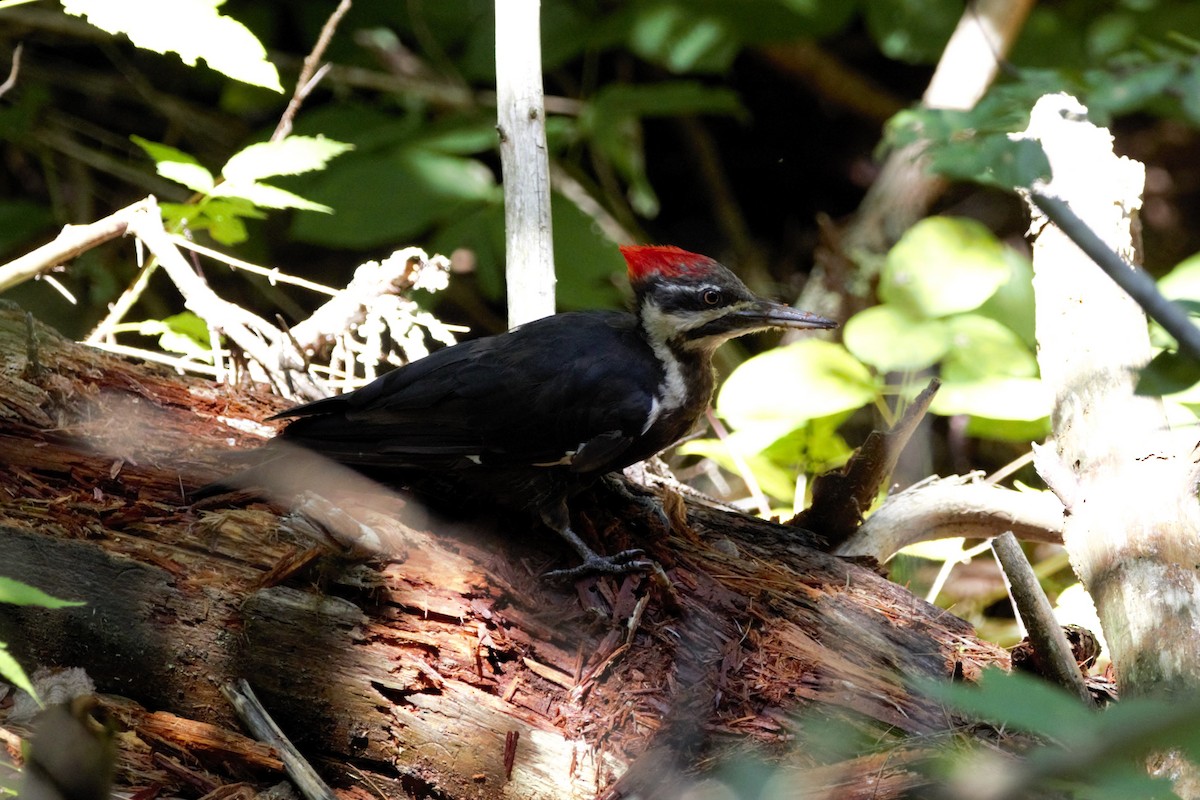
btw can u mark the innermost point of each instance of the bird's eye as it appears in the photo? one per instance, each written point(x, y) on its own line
point(711, 297)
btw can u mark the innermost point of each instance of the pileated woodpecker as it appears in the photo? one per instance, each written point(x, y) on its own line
point(530, 417)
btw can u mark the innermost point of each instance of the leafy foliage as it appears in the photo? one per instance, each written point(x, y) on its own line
point(193, 29)
point(22, 594)
point(954, 299)
point(240, 194)
point(1089, 753)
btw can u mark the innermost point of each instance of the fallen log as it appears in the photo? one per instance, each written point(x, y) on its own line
point(447, 668)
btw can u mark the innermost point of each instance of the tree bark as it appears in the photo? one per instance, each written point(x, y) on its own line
point(411, 674)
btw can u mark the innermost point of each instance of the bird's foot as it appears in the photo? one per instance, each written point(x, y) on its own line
point(648, 503)
point(622, 563)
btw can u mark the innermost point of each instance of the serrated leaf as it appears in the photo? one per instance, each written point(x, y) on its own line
point(163, 152)
point(193, 176)
point(193, 29)
point(12, 672)
point(890, 340)
point(22, 594)
point(266, 196)
point(292, 155)
point(790, 385)
point(942, 266)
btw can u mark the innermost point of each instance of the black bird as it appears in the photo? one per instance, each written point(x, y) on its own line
point(530, 417)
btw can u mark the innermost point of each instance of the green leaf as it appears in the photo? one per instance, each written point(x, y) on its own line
point(790, 385)
point(21, 221)
point(1168, 373)
point(915, 31)
point(774, 480)
point(981, 348)
point(1012, 304)
point(292, 155)
point(991, 159)
point(1016, 700)
point(942, 266)
point(22, 594)
point(890, 340)
point(266, 196)
point(1123, 91)
point(683, 39)
point(1000, 398)
point(176, 165)
point(1183, 281)
point(1008, 430)
point(163, 152)
point(588, 263)
point(421, 187)
point(193, 29)
point(182, 333)
point(193, 176)
point(612, 123)
point(11, 671)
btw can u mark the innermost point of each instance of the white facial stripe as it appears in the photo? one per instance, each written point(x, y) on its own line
point(660, 328)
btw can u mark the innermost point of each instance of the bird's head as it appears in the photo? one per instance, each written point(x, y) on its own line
point(694, 302)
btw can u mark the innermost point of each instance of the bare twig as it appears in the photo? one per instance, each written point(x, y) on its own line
point(955, 506)
point(273, 275)
point(259, 722)
point(310, 74)
point(70, 242)
point(14, 71)
point(258, 338)
point(1045, 634)
point(529, 249)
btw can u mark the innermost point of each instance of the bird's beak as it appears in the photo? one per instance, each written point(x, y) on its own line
point(768, 314)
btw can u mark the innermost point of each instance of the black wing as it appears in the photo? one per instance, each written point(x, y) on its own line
point(579, 382)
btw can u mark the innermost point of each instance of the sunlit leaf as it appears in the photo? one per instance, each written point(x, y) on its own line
point(1008, 430)
point(193, 29)
point(1001, 398)
point(1012, 304)
point(12, 672)
point(193, 176)
point(981, 349)
point(789, 385)
point(891, 340)
point(292, 155)
point(22, 594)
point(266, 196)
point(943, 265)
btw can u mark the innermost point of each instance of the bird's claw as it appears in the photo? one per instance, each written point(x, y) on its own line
point(622, 563)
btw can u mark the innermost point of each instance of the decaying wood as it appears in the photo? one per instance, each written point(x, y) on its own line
point(1127, 481)
point(450, 669)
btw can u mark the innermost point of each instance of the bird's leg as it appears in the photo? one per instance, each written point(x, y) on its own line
point(647, 503)
point(626, 561)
